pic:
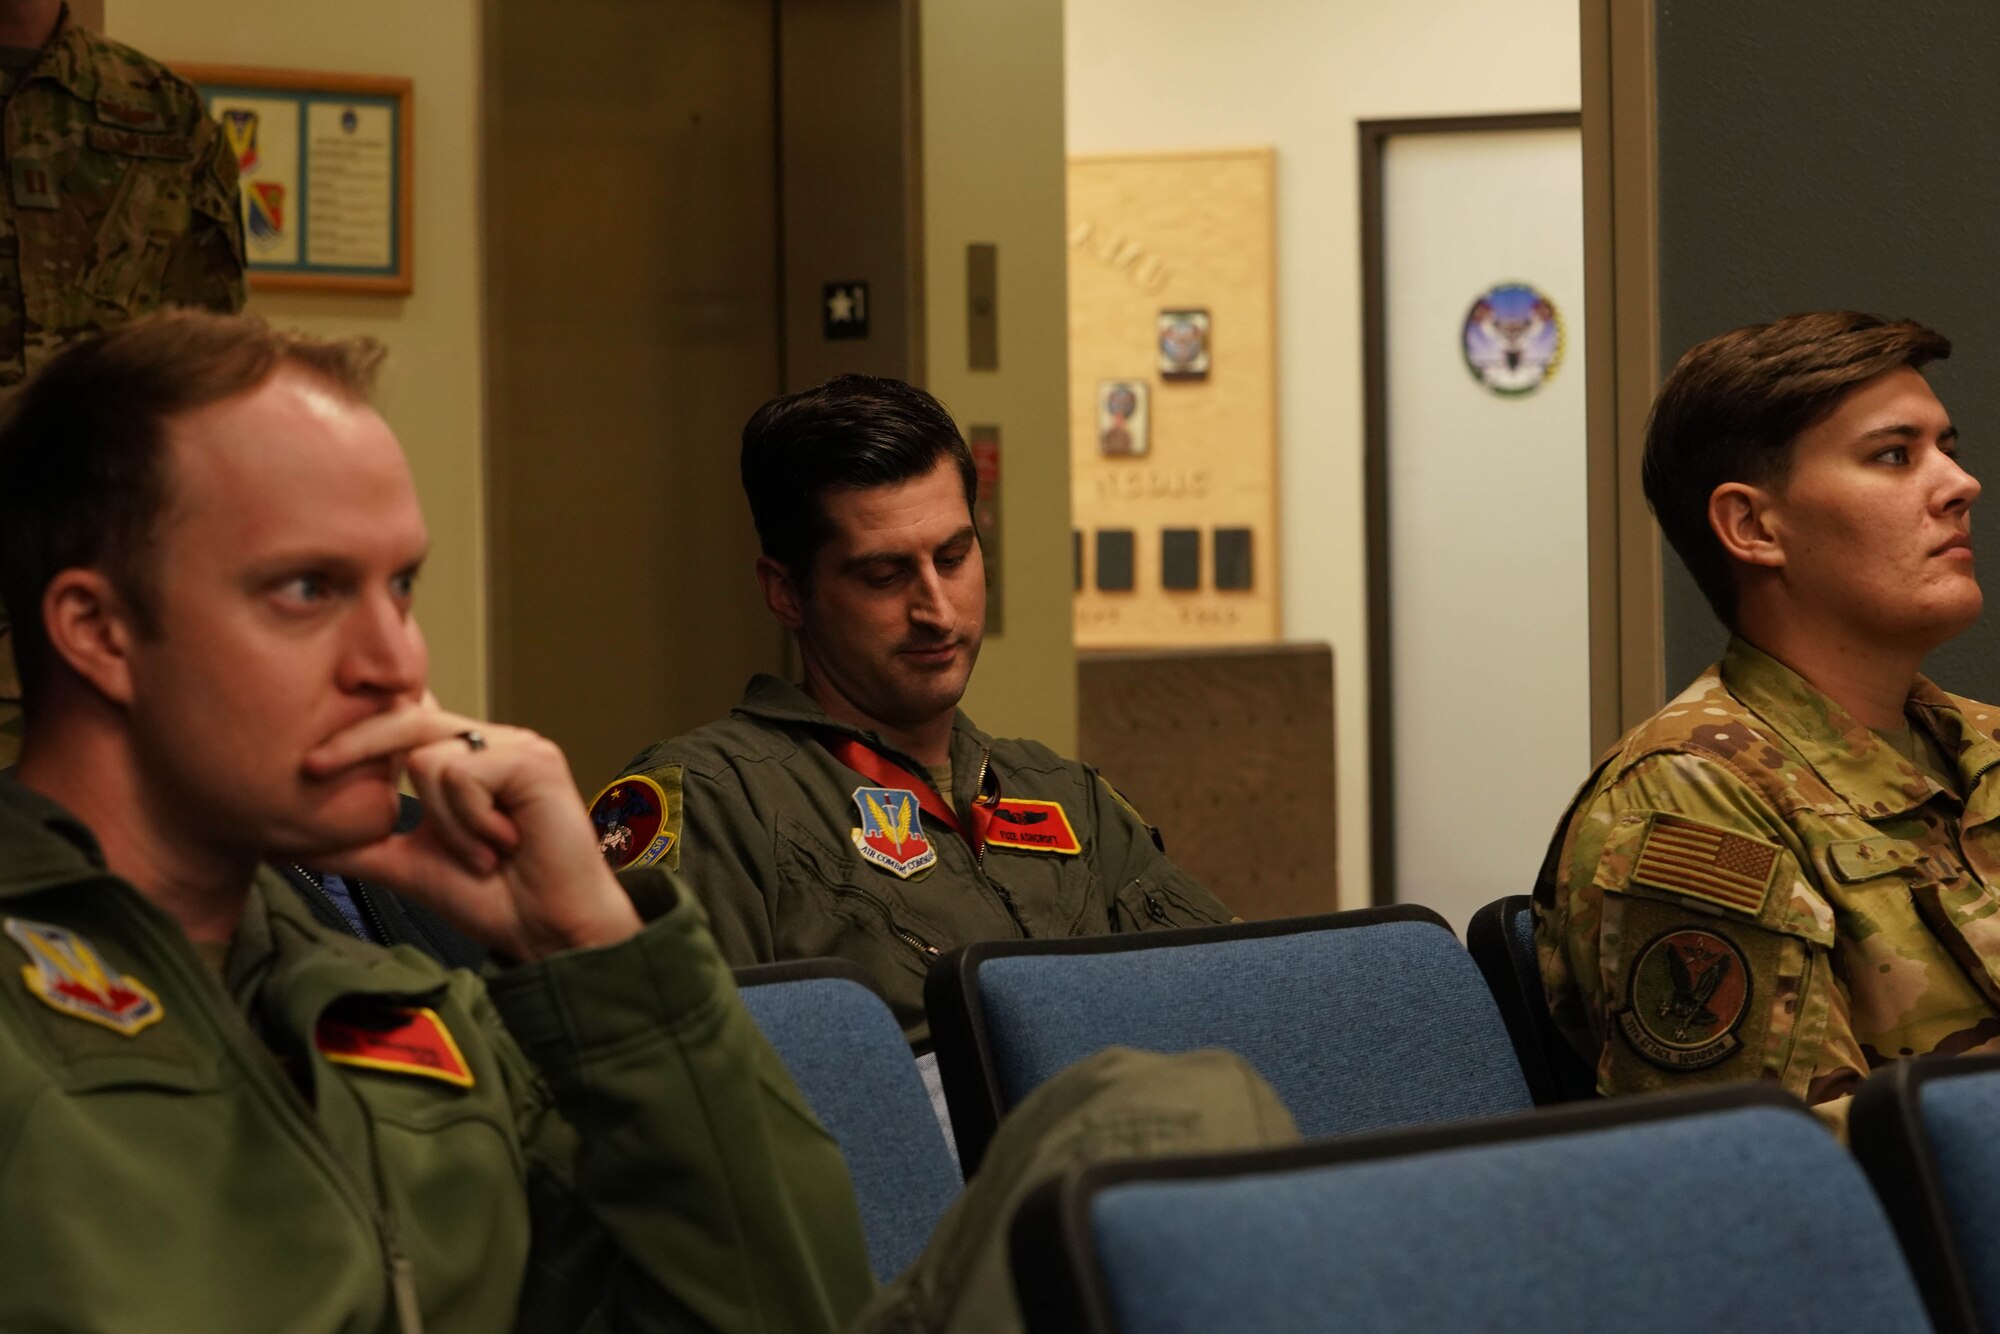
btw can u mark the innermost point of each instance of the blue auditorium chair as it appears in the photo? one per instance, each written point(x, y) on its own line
point(1360, 1020)
point(1928, 1133)
point(1501, 939)
point(1727, 1209)
point(848, 1055)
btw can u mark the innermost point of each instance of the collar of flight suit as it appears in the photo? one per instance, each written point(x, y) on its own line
point(43, 846)
point(1864, 771)
point(770, 699)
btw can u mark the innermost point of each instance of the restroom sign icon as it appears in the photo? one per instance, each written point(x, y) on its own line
point(844, 310)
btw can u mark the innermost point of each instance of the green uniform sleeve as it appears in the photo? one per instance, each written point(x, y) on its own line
point(1684, 941)
point(1144, 890)
point(677, 1178)
point(725, 859)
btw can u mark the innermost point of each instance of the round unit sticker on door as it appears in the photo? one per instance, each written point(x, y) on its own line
point(1513, 339)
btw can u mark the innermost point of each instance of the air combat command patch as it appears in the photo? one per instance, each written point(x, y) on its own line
point(67, 975)
point(1686, 998)
point(638, 821)
point(1032, 826)
point(892, 832)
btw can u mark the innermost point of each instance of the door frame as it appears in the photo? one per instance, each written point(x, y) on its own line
point(1374, 140)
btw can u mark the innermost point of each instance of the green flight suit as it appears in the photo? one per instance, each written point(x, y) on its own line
point(629, 1151)
point(762, 822)
point(1755, 885)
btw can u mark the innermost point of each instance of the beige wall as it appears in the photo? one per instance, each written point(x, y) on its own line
point(1298, 74)
point(431, 390)
point(993, 172)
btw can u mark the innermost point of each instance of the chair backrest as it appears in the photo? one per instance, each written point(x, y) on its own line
point(1924, 1130)
point(846, 1052)
point(1501, 939)
point(1359, 1020)
point(1727, 1209)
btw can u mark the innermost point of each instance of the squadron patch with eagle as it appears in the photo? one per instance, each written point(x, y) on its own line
point(1688, 992)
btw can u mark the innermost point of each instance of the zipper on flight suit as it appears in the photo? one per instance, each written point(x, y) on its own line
point(362, 902)
point(1000, 891)
point(204, 985)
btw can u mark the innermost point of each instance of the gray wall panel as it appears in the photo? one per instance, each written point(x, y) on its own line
point(1815, 155)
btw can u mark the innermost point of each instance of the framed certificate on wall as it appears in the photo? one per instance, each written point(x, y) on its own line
point(324, 164)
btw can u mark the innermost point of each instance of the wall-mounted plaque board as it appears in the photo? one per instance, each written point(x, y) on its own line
point(324, 161)
point(1173, 398)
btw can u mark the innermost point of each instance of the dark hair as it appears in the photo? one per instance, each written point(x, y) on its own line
point(852, 433)
point(1733, 406)
point(83, 476)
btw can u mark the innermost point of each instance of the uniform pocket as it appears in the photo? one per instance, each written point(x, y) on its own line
point(149, 213)
point(838, 916)
point(1158, 900)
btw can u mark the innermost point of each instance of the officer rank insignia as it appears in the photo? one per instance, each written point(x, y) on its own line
point(634, 821)
point(1688, 993)
point(1032, 826)
point(68, 976)
point(892, 831)
point(397, 1039)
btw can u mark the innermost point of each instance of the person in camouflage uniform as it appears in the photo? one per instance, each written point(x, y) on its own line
point(1790, 872)
point(861, 814)
point(121, 198)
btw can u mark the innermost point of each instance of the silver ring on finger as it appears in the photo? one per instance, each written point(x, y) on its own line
point(473, 738)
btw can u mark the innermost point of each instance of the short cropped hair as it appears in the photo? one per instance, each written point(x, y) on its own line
point(853, 433)
point(1733, 407)
point(83, 474)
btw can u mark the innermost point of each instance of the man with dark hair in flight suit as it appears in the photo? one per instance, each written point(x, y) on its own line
point(859, 813)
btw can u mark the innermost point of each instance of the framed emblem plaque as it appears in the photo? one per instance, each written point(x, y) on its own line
point(324, 162)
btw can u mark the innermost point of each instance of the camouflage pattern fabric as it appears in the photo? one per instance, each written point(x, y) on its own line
point(1754, 885)
point(120, 198)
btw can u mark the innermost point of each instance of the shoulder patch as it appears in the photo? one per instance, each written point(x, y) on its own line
point(67, 975)
point(1689, 991)
point(638, 819)
point(1702, 861)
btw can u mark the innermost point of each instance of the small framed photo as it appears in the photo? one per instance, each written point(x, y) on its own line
point(1184, 344)
point(1121, 419)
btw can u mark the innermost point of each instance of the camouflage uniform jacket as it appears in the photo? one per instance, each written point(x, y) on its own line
point(1754, 885)
point(121, 198)
point(765, 826)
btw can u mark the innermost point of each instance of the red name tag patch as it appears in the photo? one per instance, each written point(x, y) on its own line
point(397, 1039)
point(1032, 826)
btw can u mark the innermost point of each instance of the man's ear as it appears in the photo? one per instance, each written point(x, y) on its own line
point(781, 593)
point(1744, 520)
point(90, 630)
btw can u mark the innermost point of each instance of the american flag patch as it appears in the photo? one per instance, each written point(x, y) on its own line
point(1703, 862)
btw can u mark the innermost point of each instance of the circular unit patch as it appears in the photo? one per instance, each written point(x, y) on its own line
point(1513, 339)
point(1689, 991)
point(630, 817)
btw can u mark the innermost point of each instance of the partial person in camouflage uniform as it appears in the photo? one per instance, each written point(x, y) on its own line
point(860, 813)
point(1790, 871)
point(121, 198)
